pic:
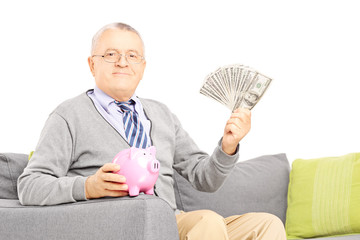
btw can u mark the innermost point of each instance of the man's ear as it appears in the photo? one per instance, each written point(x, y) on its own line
point(144, 64)
point(91, 65)
point(144, 69)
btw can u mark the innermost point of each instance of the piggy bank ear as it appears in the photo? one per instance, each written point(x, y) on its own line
point(152, 150)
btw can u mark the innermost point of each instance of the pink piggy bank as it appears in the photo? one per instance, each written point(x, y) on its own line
point(140, 168)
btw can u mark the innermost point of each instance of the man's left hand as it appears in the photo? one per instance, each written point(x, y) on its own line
point(236, 129)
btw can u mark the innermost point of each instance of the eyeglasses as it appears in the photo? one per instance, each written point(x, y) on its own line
point(113, 57)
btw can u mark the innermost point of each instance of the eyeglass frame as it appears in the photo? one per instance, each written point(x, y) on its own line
point(120, 55)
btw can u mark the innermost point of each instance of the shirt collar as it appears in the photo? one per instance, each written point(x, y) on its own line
point(105, 100)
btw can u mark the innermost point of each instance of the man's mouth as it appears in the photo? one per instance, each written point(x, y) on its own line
point(120, 73)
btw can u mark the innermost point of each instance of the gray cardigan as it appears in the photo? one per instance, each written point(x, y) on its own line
point(76, 141)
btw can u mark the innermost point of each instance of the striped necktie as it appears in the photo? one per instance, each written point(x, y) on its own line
point(134, 130)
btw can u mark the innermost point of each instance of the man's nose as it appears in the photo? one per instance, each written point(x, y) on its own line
point(122, 61)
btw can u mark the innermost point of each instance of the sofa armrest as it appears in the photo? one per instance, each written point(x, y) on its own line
point(142, 217)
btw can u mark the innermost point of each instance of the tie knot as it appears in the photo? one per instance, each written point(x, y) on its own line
point(125, 106)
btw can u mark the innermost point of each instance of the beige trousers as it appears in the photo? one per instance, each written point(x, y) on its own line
point(208, 225)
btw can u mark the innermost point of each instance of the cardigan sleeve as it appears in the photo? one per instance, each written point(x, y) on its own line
point(44, 180)
point(204, 172)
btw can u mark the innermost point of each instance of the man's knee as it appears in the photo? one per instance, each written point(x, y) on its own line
point(273, 225)
point(202, 224)
point(271, 219)
point(211, 217)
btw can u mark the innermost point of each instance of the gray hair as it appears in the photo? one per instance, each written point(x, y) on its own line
point(116, 25)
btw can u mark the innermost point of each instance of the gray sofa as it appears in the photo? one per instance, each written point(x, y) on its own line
point(257, 185)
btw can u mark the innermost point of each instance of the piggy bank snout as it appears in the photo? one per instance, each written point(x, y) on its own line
point(154, 166)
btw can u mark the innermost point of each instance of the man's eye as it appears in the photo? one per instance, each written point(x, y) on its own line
point(132, 55)
point(110, 54)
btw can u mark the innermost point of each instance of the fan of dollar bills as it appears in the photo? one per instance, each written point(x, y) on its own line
point(235, 86)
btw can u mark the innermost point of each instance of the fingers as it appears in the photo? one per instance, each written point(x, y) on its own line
point(231, 129)
point(116, 193)
point(110, 167)
point(113, 177)
point(245, 110)
point(236, 129)
point(109, 180)
point(239, 124)
point(115, 186)
point(234, 121)
point(106, 173)
point(106, 183)
point(241, 113)
point(240, 119)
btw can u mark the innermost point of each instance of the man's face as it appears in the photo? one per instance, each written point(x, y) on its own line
point(120, 79)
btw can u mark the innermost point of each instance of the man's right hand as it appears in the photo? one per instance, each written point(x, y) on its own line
point(106, 183)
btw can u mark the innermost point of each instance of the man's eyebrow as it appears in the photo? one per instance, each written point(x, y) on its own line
point(111, 49)
point(128, 50)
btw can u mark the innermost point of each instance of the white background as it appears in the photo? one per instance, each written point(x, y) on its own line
point(310, 48)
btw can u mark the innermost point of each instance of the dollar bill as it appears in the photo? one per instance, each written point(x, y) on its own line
point(235, 86)
point(255, 91)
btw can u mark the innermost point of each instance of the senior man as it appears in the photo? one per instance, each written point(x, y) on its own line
point(83, 134)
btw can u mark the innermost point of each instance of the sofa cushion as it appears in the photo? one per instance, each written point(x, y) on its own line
point(324, 197)
point(256, 185)
point(145, 217)
point(11, 166)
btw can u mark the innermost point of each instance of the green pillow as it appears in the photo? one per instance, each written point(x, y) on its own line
point(324, 197)
point(30, 155)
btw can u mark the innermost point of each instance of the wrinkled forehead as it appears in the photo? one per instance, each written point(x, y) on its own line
point(121, 40)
